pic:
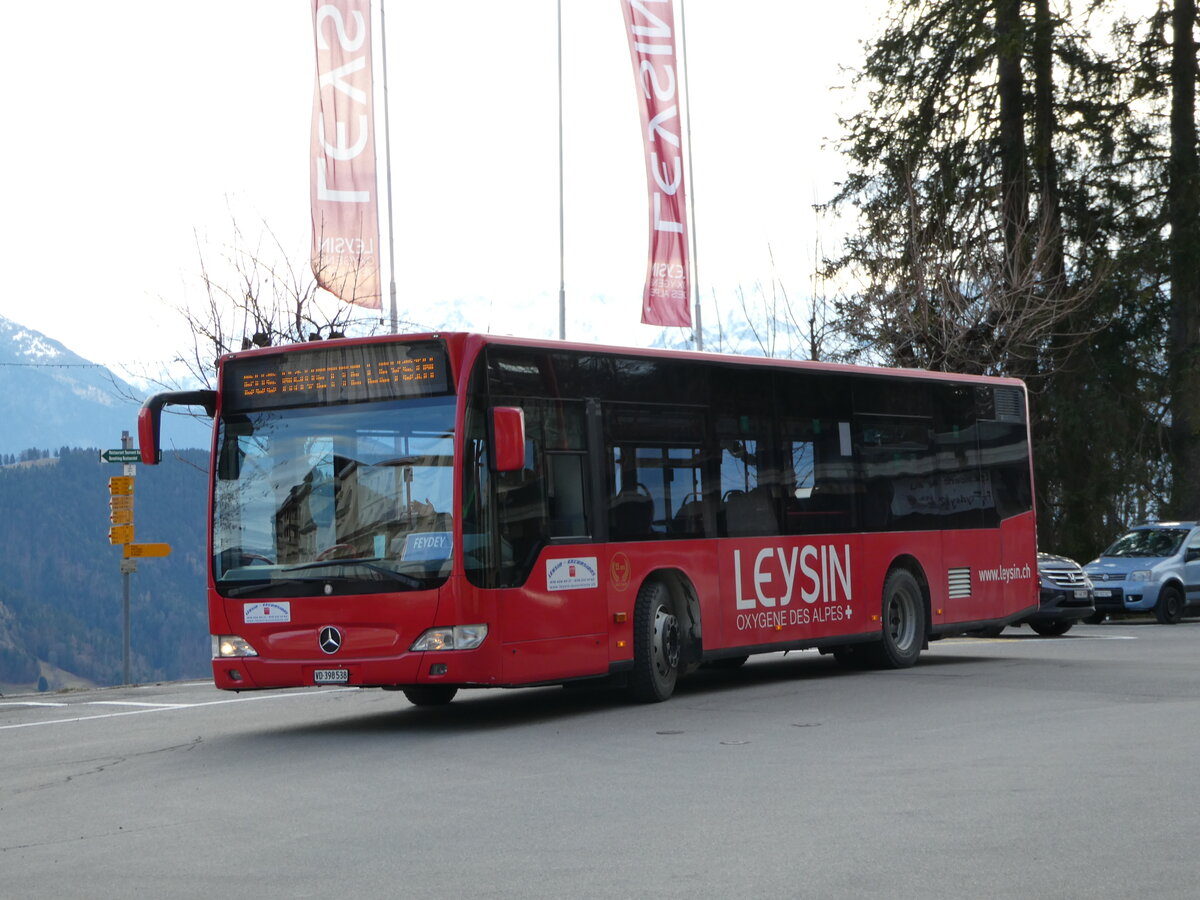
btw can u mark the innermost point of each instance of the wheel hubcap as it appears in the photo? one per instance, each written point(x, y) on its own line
point(666, 641)
point(901, 621)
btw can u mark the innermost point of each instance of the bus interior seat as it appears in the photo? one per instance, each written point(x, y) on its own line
point(690, 518)
point(750, 513)
point(631, 514)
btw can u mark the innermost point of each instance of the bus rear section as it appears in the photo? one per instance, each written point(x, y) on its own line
point(714, 508)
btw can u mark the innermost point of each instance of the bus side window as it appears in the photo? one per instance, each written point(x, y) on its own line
point(815, 492)
point(749, 505)
point(655, 469)
point(567, 506)
point(521, 507)
point(631, 507)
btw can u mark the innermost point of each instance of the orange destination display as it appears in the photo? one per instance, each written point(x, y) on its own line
point(352, 374)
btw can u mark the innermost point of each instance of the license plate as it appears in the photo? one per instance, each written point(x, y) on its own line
point(1081, 594)
point(1103, 593)
point(331, 676)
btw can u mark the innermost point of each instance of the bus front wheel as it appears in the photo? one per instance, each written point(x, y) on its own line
point(656, 644)
point(430, 694)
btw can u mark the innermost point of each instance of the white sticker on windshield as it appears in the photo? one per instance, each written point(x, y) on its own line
point(256, 613)
point(571, 574)
point(427, 546)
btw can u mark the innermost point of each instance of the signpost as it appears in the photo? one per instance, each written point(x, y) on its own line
point(124, 455)
point(120, 534)
point(136, 551)
point(120, 515)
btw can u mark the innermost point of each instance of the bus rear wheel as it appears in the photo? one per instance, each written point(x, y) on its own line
point(903, 622)
point(656, 644)
point(430, 694)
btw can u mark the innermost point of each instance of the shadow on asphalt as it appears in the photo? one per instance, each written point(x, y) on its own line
point(501, 708)
point(498, 709)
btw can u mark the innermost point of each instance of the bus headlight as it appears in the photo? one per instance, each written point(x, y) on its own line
point(228, 645)
point(460, 637)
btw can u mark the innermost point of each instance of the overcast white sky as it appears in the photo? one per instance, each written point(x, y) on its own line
point(134, 131)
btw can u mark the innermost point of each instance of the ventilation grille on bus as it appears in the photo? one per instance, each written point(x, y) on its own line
point(959, 583)
point(1010, 405)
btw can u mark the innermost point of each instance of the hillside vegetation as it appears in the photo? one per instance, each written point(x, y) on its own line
point(60, 597)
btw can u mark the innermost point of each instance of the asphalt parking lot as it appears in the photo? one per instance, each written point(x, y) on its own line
point(1011, 767)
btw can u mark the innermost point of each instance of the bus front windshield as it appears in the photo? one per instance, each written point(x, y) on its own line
point(354, 498)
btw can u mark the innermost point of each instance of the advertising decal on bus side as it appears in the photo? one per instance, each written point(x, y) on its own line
point(767, 580)
point(572, 574)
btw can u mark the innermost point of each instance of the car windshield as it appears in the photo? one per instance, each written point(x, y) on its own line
point(352, 498)
point(1149, 542)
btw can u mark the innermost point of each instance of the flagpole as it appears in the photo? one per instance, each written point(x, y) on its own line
point(387, 150)
point(562, 273)
point(691, 185)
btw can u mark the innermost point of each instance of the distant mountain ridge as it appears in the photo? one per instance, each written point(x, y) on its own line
point(51, 397)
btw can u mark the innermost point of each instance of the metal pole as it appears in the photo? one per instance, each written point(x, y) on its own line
point(687, 114)
point(126, 655)
point(126, 651)
point(562, 275)
point(387, 151)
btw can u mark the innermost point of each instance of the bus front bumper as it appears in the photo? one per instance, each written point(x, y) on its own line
point(249, 673)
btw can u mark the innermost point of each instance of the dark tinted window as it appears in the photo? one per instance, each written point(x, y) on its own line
point(627, 448)
point(655, 470)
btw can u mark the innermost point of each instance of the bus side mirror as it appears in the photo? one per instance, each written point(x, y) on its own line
point(150, 418)
point(507, 426)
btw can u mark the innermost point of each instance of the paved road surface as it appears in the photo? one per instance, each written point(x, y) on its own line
point(1019, 767)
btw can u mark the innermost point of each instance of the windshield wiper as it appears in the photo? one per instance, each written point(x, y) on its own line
point(389, 574)
point(265, 585)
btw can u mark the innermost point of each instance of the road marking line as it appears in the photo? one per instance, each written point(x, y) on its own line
point(134, 703)
point(1025, 638)
point(28, 703)
point(161, 708)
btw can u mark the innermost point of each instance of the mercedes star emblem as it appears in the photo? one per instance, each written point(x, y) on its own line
point(330, 639)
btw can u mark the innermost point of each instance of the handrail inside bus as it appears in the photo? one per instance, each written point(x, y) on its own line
point(150, 418)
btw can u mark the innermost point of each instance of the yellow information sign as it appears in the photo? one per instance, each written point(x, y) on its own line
point(133, 551)
point(120, 534)
point(120, 501)
point(121, 517)
point(120, 484)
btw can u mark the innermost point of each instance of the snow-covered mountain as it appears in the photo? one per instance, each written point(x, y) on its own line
point(51, 398)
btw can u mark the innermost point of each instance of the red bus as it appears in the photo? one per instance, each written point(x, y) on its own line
point(433, 512)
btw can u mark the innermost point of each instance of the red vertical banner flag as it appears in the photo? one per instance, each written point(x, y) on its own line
point(650, 27)
point(345, 203)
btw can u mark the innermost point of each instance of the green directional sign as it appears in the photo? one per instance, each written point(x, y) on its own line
point(121, 456)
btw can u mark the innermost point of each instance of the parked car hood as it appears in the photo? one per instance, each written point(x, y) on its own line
point(1053, 561)
point(1124, 565)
